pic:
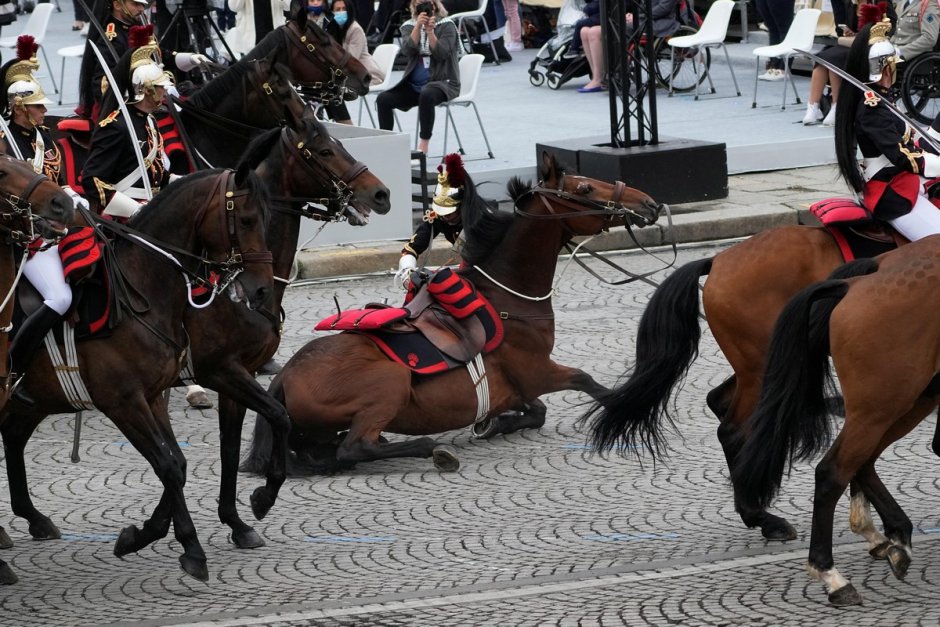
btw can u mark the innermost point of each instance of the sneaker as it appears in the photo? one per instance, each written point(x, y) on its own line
point(515, 46)
point(830, 117)
point(772, 75)
point(813, 115)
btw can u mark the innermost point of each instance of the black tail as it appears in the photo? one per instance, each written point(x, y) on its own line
point(262, 438)
point(791, 419)
point(667, 342)
point(858, 267)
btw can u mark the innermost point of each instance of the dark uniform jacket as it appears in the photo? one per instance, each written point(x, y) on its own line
point(427, 231)
point(111, 157)
point(91, 73)
point(25, 139)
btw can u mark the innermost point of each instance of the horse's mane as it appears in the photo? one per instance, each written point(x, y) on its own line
point(484, 226)
point(221, 86)
point(268, 44)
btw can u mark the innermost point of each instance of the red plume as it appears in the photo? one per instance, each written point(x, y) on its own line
point(455, 172)
point(139, 36)
point(870, 13)
point(26, 47)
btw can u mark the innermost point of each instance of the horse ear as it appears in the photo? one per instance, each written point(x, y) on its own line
point(548, 166)
point(241, 174)
point(301, 17)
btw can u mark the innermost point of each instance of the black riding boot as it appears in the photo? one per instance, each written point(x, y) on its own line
point(26, 343)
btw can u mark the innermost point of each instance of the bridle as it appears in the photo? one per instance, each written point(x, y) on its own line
point(16, 207)
point(324, 176)
point(330, 91)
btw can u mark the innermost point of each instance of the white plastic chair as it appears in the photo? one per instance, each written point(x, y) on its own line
point(69, 52)
point(799, 37)
point(712, 34)
point(36, 26)
point(384, 56)
point(470, 65)
point(476, 14)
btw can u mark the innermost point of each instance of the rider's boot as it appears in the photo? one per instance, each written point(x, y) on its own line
point(26, 343)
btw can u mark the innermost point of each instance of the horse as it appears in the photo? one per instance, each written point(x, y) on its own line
point(229, 343)
point(746, 288)
point(889, 381)
point(27, 200)
point(509, 257)
point(212, 220)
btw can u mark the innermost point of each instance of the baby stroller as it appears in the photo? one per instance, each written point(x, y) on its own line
point(549, 64)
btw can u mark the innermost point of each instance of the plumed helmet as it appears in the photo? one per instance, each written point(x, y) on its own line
point(146, 67)
point(451, 177)
point(881, 52)
point(21, 86)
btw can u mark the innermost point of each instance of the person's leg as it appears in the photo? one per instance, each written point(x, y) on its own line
point(782, 12)
point(594, 51)
point(835, 82)
point(428, 100)
point(575, 48)
point(817, 83)
point(513, 25)
point(402, 97)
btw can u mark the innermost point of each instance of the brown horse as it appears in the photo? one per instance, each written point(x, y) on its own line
point(213, 219)
point(882, 333)
point(228, 342)
point(511, 259)
point(747, 286)
point(27, 201)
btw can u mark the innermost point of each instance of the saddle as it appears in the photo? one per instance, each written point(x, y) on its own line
point(443, 324)
point(857, 232)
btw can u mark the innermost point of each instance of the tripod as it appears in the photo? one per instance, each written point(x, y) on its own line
point(192, 26)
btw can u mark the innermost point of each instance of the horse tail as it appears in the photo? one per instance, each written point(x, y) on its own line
point(857, 267)
point(632, 414)
point(262, 438)
point(791, 418)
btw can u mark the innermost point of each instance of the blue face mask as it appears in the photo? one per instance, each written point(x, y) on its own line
point(315, 10)
point(340, 17)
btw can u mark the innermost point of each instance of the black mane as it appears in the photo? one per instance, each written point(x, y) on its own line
point(484, 225)
point(221, 86)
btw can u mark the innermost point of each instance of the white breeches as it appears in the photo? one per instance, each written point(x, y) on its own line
point(923, 220)
point(44, 271)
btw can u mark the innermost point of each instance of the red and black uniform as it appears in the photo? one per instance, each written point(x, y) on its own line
point(427, 231)
point(25, 139)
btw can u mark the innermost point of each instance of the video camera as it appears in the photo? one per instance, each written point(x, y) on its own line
point(424, 7)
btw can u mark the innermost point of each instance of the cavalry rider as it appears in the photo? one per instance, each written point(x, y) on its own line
point(23, 105)
point(895, 165)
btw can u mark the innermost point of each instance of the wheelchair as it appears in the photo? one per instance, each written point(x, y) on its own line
point(920, 86)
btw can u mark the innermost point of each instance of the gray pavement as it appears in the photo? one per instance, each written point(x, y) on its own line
point(532, 530)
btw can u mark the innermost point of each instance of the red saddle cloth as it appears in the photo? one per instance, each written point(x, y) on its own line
point(853, 227)
point(442, 325)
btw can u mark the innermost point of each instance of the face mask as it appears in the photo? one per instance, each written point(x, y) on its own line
point(340, 17)
point(315, 10)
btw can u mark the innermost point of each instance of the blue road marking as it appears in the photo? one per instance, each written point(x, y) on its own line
point(629, 537)
point(344, 539)
point(930, 530)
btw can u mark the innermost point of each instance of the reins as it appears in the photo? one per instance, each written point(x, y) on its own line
point(331, 90)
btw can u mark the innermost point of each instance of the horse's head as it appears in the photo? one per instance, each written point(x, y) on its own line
point(318, 165)
point(601, 205)
point(270, 99)
point(233, 234)
point(27, 198)
point(320, 64)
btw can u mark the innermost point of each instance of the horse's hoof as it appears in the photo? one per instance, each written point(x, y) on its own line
point(199, 400)
point(486, 429)
point(43, 529)
point(899, 561)
point(5, 541)
point(248, 539)
point(880, 552)
point(127, 541)
point(261, 502)
point(445, 458)
point(195, 567)
point(845, 596)
point(7, 576)
point(778, 529)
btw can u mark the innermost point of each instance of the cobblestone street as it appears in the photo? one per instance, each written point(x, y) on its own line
point(532, 530)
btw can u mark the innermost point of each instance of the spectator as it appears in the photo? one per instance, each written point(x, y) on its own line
point(593, 47)
point(777, 16)
point(591, 17)
point(318, 13)
point(243, 37)
point(80, 16)
point(429, 43)
point(345, 29)
point(513, 25)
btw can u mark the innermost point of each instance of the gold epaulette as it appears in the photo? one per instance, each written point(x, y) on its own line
point(111, 118)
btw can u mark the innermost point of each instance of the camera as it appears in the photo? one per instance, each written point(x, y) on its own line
point(424, 7)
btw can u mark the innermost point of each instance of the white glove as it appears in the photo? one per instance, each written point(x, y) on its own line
point(406, 264)
point(121, 206)
point(175, 177)
point(77, 199)
point(186, 61)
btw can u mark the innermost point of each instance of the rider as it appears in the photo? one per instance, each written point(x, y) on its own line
point(23, 105)
point(443, 218)
point(895, 165)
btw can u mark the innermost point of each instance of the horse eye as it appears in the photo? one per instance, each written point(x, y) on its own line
point(326, 152)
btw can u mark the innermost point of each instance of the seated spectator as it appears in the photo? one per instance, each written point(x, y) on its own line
point(592, 17)
point(593, 47)
point(346, 30)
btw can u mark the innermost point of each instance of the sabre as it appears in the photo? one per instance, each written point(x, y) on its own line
point(127, 117)
point(859, 84)
point(10, 141)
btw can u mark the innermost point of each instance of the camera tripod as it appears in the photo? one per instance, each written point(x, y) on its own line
point(192, 25)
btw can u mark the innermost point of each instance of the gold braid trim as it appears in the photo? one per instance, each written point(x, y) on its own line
point(101, 186)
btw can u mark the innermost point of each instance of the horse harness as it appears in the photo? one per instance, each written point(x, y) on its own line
point(17, 207)
point(330, 91)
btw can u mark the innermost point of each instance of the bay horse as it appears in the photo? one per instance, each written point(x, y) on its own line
point(228, 342)
point(882, 333)
point(212, 220)
point(27, 201)
point(746, 288)
point(511, 260)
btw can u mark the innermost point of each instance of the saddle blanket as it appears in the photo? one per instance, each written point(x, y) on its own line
point(853, 227)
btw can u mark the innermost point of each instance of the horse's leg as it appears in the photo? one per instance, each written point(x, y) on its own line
point(16, 431)
point(935, 445)
point(7, 576)
point(896, 547)
point(860, 520)
point(529, 416)
point(362, 444)
point(231, 417)
point(719, 399)
point(147, 427)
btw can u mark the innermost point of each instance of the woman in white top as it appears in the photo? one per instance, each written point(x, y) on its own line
point(241, 39)
point(345, 29)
